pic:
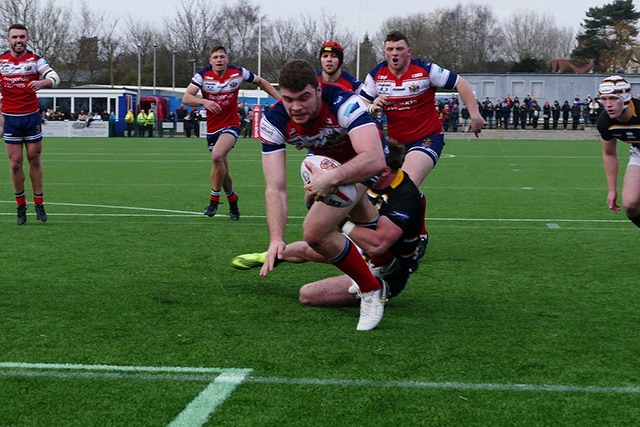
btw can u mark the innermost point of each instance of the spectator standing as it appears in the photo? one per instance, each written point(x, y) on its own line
point(181, 112)
point(507, 105)
point(196, 118)
point(172, 119)
point(454, 117)
point(129, 119)
point(188, 125)
point(23, 74)
point(524, 114)
point(566, 111)
point(594, 109)
point(142, 122)
point(219, 84)
point(576, 113)
point(464, 114)
point(248, 123)
point(112, 124)
point(150, 122)
point(534, 112)
point(498, 111)
point(546, 115)
point(585, 111)
point(555, 114)
point(517, 112)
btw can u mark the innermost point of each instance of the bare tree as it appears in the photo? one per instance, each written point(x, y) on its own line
point(529, 34)
point(193, 30)
point(47, 24)
point(241, 22)
point(281, 46)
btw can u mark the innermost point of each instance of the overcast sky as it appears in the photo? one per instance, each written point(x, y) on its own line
point(360, 15)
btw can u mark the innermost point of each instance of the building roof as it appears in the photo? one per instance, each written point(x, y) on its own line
point(564, 65)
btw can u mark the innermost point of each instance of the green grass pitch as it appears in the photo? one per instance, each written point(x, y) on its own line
point(122, 310)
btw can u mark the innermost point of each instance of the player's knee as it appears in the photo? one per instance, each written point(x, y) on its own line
point(632, 210)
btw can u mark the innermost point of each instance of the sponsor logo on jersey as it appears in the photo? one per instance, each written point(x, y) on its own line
point(350, 109)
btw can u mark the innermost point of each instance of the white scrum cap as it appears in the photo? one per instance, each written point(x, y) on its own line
point(616, 85)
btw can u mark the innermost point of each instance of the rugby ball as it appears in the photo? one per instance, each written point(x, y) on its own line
point(344, 196)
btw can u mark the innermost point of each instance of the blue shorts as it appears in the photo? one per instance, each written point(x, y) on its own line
point(431, 146)
point(213, 138)
point(19, 129)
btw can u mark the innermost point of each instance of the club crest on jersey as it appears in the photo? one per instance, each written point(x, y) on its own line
point(414, 88)
point(234, 84)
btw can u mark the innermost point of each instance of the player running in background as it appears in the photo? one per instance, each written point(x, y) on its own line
point(328, 121)
point(219, 83)
point(22, 74)
point(620, 120)
point(392, 245)
point(331, 60)
point(404, 89)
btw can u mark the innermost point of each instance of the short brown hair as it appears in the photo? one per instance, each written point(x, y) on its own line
point(217, 48)
point(396, 36)
point(295, 75)
point(18, 27)
point(395, 159)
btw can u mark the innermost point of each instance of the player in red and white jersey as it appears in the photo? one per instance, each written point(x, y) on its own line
point(323, 119)
point(219, 83)
point(22, 74)
point(404, 89)
point(331, 60)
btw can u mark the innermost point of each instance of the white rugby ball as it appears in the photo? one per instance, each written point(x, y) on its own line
point(344, 196)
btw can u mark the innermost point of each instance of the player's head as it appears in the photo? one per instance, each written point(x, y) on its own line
point(218, 58)
point(615, 94)
point(397, 51)
point(395, 158)
point(300, 91)
point(18, 37)
point(330, 52)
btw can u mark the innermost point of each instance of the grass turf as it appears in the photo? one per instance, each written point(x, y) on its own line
point(524, 311)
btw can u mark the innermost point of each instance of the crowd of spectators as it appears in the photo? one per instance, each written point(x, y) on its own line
point(513, 113)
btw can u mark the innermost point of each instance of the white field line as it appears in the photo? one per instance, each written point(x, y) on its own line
point(179, 213)
point(238, 375)
point(195, 414)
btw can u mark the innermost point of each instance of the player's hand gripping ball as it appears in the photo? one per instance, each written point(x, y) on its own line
point(344, 196)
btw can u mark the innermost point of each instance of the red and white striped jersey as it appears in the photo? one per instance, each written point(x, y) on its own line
point(224, 91)
point(15, 75)
point(410, 110)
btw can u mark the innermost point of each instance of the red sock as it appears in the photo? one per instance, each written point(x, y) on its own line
point(351, 263)
point(215, 196)
point(38, 199)
point(21, 199)
point(232, 197)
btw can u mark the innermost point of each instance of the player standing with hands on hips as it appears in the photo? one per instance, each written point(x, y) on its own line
point(219, 83)
point(328, 121)
point(404, 89)
point(22, 74)
point(620, 120)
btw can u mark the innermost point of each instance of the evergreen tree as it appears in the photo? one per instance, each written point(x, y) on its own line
point(608, 36)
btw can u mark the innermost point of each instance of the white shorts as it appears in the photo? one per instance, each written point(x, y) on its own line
point(634, 160)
